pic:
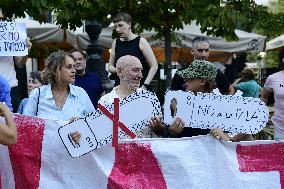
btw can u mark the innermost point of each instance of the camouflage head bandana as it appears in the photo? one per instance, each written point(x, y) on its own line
point(199, 69)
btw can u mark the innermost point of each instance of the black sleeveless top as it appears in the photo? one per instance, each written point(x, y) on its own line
point(132, 48)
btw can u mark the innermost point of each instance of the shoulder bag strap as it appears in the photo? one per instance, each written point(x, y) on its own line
point(37, 101)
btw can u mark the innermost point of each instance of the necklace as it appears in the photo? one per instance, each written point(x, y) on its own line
point(63, 99)
point(60, 99)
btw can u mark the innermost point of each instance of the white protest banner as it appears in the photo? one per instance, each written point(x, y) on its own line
point(13, 39)
point(206, 111)
point(96, 129)
point(39, 160)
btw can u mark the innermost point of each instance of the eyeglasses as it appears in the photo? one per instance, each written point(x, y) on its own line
point(201, 50)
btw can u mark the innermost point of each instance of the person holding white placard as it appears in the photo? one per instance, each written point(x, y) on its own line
point(199, 77)
point(7, 65)
point(129, 71)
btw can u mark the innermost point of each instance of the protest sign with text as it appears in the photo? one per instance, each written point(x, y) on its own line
point(96, 129)
point(13, 39)
point(206, 111)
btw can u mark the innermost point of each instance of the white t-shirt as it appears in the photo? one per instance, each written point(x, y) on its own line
point(7, 70)
point(109, 99)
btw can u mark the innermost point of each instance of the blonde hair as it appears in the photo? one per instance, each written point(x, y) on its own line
point(53, 62)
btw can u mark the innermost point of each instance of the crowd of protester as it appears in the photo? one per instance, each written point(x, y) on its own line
point(64, 90)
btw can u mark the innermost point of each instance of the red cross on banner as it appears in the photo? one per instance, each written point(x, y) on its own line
point(116, 123)
point(262, 158)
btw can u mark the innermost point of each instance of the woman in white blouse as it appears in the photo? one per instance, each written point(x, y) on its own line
point(59, 99)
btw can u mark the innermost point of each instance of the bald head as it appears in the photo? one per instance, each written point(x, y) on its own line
point(126, 60)
point(129, 71)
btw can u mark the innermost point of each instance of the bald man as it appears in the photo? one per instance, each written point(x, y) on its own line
point(129, 71)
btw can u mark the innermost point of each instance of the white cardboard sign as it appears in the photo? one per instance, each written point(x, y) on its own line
point(206, 111)
point(96, 129)
point(13, 39)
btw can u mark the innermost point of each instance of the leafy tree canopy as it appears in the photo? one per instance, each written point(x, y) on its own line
point(271, 24)
point(219, 18)
point(216, 17)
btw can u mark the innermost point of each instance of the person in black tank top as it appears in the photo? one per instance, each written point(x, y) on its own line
point(130, 44)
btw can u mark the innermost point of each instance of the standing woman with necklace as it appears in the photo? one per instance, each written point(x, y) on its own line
point(129, 43)
point(59, 99)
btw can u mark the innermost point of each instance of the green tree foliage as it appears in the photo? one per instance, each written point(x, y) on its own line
point(271, 24)
point(216, 17)
point(271, 59)
point(276, 6)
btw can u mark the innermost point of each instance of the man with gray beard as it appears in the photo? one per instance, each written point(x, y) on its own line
point(129, 71)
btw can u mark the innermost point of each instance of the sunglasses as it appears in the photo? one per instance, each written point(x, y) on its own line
point(201, 50)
